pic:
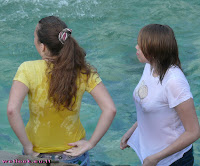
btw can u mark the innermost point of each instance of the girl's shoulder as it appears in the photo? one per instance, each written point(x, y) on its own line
point(36, 67)
point(174, 73)
point(32, 63)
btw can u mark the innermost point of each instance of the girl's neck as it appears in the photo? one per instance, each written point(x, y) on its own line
point(154, 71)
point(155, 74)
point(49, 58)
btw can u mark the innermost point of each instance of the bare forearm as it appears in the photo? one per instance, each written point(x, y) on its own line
point(103, 124)
point(132, 129)
point(17, 125)
point(182, 142)
point(187, 114)
point(106, 104)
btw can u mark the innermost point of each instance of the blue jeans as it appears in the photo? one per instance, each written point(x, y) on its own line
point(82, 160)
point(186, 160)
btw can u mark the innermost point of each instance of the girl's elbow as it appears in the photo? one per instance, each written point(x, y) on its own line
point(109, 110)
point(198, 133)
point(10, 111)
point(113, 110)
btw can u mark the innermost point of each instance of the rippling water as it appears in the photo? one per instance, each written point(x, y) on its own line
point(108, 31)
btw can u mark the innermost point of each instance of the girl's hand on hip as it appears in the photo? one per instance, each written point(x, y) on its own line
point(29, 151)
point(123, 143)
point(78, 148)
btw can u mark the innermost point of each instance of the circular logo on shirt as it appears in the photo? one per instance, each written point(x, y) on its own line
point(142, 90)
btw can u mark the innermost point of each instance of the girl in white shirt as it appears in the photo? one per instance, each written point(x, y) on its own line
point(167, 123)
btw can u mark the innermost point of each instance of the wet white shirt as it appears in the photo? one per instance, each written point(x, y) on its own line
point(158, 123)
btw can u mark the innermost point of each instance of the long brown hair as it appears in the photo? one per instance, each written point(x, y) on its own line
point(159, 46)
point(68, 62)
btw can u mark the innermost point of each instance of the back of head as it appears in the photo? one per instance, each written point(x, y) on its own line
point(48, 30)
point(159, 46)
point(68, 60)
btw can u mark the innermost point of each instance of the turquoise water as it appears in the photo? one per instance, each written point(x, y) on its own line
point(107, 30)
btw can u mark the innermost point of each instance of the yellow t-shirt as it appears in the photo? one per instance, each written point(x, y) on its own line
point(50, 130)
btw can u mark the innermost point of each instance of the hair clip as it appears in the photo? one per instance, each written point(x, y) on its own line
point(64, 34)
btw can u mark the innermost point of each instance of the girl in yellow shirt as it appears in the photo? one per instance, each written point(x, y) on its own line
point(55, 86)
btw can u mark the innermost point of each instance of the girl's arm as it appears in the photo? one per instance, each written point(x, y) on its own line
point(186, 112)
point(16, 98)
point(106, 104)
point(127, 135)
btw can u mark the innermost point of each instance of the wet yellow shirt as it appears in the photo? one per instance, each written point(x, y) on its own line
point(50, 130)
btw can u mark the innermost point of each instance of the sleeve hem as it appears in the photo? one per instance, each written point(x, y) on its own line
point(26, 84)
point(180, 101)
point(95, 85)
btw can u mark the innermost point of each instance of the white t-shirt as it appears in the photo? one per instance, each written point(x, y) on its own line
point(158, 123)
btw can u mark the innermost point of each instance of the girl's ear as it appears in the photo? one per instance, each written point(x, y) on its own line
point(42, 47)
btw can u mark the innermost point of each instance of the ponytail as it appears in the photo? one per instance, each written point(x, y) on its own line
point(69, 61)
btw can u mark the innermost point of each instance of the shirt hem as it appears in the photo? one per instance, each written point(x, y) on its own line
point(136, 151)
point(56, 149)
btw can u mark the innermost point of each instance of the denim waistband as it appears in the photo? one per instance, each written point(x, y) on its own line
point(53, 156)
point(82, 160)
